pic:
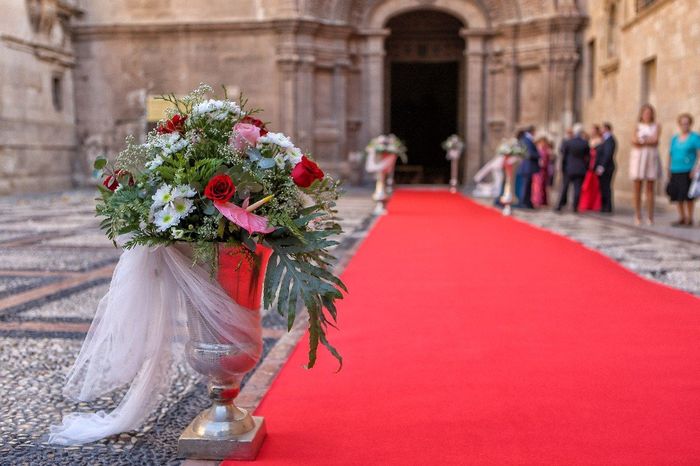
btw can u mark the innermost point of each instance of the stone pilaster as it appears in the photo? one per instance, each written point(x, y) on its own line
point(295, 61)
point(474, 93)
point(373, 57)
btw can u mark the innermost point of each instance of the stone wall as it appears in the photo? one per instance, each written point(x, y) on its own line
point(664, 36)
point(37, 128)
point(318, 68)
point(119, 69)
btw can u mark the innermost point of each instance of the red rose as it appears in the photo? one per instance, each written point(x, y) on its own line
point(255, 122)
point(220, 188)
point(112, 181)
point(306, 172)
point(174, 125)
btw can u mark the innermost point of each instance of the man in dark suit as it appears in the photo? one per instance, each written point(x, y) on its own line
point(576, 155)
point(605, 167)
point(528, 167)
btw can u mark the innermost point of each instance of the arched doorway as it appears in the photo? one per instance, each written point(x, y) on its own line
point(424, 59)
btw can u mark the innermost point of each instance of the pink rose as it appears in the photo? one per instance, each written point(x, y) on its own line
point(244, 135)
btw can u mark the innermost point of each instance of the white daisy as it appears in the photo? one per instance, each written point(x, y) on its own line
point(165, 219)
point(181, 206)
point(170, 143)
point(278, 139)
point(155, 163)
point(163, 196)
point(216, 109)
point(184, 190)
point(281, 160)
point(295, 155)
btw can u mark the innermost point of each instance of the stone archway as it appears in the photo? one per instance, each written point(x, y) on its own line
point(476, 29)
point(424, 64)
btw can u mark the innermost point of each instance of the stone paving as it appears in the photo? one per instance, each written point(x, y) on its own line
point(55, 265)
point(660, 252)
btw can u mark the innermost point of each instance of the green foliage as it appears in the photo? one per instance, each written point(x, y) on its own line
point(300, 266)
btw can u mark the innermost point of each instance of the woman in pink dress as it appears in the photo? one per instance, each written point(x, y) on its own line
point(540, 180)
point(590, 190)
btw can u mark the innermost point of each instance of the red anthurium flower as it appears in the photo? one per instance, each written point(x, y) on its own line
point(220, 188)
point(306, 172)
point(112, 181)
point(243, 217)
point(255, 122)
point(174, 125)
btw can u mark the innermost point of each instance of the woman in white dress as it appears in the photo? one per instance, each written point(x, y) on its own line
point(645, 163)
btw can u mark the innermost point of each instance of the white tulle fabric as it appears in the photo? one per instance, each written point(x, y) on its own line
point(139, 333)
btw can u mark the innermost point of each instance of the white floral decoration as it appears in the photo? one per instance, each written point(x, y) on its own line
point(278, 139)
point(171, 204)
point(156, 162)
point(216, 109)
point(170, 143)
point(165, 219)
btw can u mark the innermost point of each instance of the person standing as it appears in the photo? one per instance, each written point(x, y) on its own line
point(605, 167)
point(540, 180)
point(590, 191)
point(682, 160)
point(645, 164)
point(576, 154)
point(528, 167)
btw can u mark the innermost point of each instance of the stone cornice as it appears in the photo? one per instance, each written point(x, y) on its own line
point(81, 31)
point(291, 26)
point(542, 24)
point(43, 52)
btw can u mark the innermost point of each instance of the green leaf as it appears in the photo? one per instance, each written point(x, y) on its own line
point(299, 268)
point(100, 163)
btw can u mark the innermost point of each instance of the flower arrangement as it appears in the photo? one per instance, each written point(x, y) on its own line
point(511, 147)
point(211, 174)
point(454, 146)
point(387, 144)
point(453, 142)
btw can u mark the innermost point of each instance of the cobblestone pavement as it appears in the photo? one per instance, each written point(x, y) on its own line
point(662, 253)
point(55, 265)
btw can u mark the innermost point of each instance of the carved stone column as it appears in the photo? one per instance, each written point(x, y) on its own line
point(305, 118)
point(295, 61)
point(340, 106)
point(373, 82)
point(474, 92)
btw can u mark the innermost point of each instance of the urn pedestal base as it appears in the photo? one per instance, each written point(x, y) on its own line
point(242, 447)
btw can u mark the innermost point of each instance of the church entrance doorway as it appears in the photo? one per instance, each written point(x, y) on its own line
point(424, 58)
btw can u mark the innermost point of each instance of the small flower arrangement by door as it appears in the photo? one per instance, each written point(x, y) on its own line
point(512, 152)
point(206, 207)
point(511, 148)
point(454, 146)
point(382, 152)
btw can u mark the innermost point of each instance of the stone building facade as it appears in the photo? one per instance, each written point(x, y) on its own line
point(330, 73)
point(38, 132)
point(636, 52)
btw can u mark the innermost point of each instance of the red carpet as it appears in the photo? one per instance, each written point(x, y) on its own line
point(470, 338)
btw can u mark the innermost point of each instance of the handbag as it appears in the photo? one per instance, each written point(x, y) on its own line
point(694, 190)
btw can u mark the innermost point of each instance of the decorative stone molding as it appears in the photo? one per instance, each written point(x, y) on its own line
point(45, 14)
